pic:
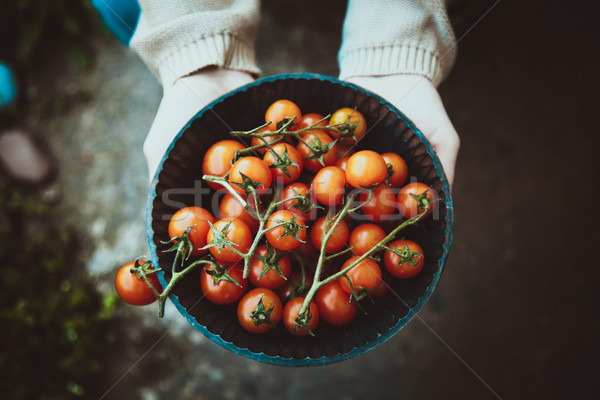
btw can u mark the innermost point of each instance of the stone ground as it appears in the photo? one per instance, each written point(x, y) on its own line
point(514, 313)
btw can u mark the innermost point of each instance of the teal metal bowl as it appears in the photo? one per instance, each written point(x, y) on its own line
point(178, 183)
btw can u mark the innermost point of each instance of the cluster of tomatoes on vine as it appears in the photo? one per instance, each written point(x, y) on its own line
point(284, 224)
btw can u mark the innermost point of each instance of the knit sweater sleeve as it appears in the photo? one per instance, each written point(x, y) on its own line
point(178, 38)
point(397, 37)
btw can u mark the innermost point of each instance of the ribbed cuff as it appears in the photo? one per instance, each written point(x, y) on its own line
point(223, 50)
point(390, 60)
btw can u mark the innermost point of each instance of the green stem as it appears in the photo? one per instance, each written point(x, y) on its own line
point(222, 180)
point(317, 283)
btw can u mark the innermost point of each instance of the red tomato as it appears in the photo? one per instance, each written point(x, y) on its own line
point(337, 240)
point(365, 168)
point(408, 263)
point(255, 169)
point(334, 304)
point(259, 310)
point(399, 169)
point(230, 207)
point(342, 162)
point(237, 232)
point(217, 159)
point(224, 291)
point(407, 204)
point(328, 185)
point(282, 109)
point(270, 279)
point(197, 218)
point(134, 290)
point(318, 141)
point(364, 237)
point(293, 190)
point(256, 141)
point(364, 275)
point(284, 169)
point(278, 237)
point(382, 205)
point(349, 115)
point(291, 311)
point(294, 287)
point(310, 119)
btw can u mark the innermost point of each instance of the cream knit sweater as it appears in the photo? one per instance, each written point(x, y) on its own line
point(380, 37)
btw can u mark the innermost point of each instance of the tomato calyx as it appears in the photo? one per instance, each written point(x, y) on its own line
point(304, 203)
point(302, 322)
point(346, 129)
point(262, 315)
point(290, 228)
point(406, 255)
point(359, 293)
point(283, 161)
point(220, 238)
point(285, 123)
point(219, 273)
point(390, 172)
point(182, 245)
point(423, 201)
point(249, 185)
point(141, 268)
point(271, 261)
point(318, 149)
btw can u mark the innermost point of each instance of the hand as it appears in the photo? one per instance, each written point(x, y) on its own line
point(416, 97)
point(181, 102)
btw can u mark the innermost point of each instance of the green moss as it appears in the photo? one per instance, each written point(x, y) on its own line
point(54, 324)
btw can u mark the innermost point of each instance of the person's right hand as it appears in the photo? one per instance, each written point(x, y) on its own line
point(181, 102)
point(419, 100)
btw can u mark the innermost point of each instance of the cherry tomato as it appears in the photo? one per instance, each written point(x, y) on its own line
point(259, 310)
point(293, 163)
point(293, 190)
point(291, 311)
point(308, 120)
point(337, 240)
point(334, 304)
point(382, 205)
point(349, 115)
point(399, 169)
point(278, 237)
point(197, 218)
point(365, 168)
point(225, 291)
point(342, 162)
point(364, 275)
point(364, 237)
point(293, 287)
point(328, 185)
point(217, 159)
point(255, 169)
point(256, 141)
point(237, 232)
point(230, 207)
point(401, 266)
point(317, 140)
point(271, 279)
point(279, 110)
point(134, 290)
point(407, 204)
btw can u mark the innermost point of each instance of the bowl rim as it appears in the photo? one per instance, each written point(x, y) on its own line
point(381, 338)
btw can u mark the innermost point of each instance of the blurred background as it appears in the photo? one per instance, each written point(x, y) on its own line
point(513, 317)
